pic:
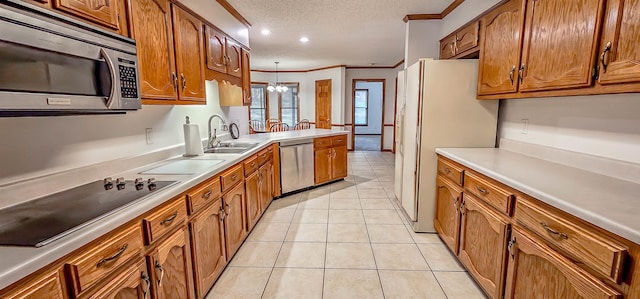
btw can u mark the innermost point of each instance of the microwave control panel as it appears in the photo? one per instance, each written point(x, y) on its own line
point(128, 82)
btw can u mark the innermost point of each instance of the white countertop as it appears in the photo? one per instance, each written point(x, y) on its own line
point(610, 203)
point(18, 262)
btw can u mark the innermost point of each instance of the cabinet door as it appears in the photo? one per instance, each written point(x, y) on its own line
point(560, 44)
point(150, 22)
point(246, 77)
point(265, 189)
point(207, 243)
point(536, 271)
point(500, 44)
point(171, 268)
point(187, 31)
point(620, 54)
point(467, 38)
point(47, 285)
point(483, 240)
point(216, 44)
point(253, 184)
point(235, 227)
point(132, 283)
point(448, 47)
point(234, 58)
point(322, 165)
point(447, 218)
point(339, 162)
point(102, 12)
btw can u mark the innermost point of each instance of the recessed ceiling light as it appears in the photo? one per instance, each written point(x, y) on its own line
point(304, 39)
point(265, 31)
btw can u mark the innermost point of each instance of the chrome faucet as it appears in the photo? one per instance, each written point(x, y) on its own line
point(213, 137)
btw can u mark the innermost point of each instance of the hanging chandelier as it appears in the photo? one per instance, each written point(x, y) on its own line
point(278, 86)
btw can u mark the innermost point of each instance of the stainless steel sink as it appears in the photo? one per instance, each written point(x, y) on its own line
point(237, 144)
point(226, 150)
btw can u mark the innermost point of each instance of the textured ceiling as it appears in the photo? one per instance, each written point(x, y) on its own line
point(349, 32)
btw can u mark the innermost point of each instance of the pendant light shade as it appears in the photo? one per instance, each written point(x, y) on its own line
point(279, 87)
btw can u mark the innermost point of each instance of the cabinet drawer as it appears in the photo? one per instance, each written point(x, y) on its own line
point(496, 196)
point(250, 165)
point(263, 156)
point(203, 195)
point(450, 170)
point(339, 140)
point(103, 257)
point(322, 142)
point(163, 220)
point(231, 177)
point(584, 245)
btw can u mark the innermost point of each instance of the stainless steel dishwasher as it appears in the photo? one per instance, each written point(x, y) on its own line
point(296, 165)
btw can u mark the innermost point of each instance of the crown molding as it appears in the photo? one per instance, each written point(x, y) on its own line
point(226, 5)
point(437, 16)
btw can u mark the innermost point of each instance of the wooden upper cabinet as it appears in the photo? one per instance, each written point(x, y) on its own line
point(102, 12)
point(234, 58)
point(534, 266)
point(246, 77)
point(150, 22)
point(447, 217)
point(171, 268)
point(216, 45)
point(500, 46)
point(48, 285)
point(619, 47)
point(207, 244)
point(448, 47)
point(189, 55)
point(560, 44)
point(467, 38)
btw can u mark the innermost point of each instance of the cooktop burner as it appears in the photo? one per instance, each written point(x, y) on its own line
point(46, 219)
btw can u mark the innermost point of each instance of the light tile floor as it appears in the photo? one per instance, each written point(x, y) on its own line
point(344, 240)
point(367, 142)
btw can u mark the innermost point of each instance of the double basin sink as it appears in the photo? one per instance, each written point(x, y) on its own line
point(230, 148)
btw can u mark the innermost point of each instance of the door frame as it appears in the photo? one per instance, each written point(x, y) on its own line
point(330, 102)
point(353, 110)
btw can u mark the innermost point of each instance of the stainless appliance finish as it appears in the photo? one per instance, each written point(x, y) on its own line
point(296, 165)
point(46, 219)
point(50, 63)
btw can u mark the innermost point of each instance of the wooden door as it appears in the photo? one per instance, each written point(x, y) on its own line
point(536, 271)
point(322, 165)
point(47, 285)
point(216, 44)
point(253, 184)
point(102, 12)
point(207, 244)
point(447, 218)
point(187, 31)
point(323, 104)
point(246, 77)
point(620, 54)
point(234, 58)
point(500, 44)
point(448, 47)
point(467, 38)
point(171, 268)
point(131, 283)
point(560, 44)
point(235, 227)
point(339, 162)
point(150, 22)
point(483, 245)
point(265, 189)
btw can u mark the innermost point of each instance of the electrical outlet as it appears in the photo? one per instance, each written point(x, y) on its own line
point(149, 135)
point(525, 126)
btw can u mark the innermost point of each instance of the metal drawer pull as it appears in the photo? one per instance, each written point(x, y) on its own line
point(113, 257)
point(483, 191)
point(207, 195)
point(553, 231)
point(170, 219)
point(447, 170)
point(147, 284)
point(234, 177)
point(161, 275)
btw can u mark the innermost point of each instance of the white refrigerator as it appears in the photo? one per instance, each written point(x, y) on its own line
point(440, 110)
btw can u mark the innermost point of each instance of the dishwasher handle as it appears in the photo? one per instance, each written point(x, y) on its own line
point(295, 142)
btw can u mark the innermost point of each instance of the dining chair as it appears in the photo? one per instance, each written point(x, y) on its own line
point(270, 122)
point(302, 125)
point(255, 125)
point(279, 127)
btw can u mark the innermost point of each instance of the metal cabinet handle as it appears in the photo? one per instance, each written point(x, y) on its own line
point(184, 81)
point(113, 257)
point(512, 243)
point(175, 80)
point(462, 208)
point(511, 73)
point(452, 48)
point(147, 284)
point(222, 214)
point(455, 204)
point(604, 57)
point(161, 275)
point(170, 219)
point(521, 73)
point(553, 231)
point(483, 191)
point(207, 195)
point(227, 210)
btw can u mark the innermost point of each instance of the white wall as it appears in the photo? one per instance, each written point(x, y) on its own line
point(464, 13)
point(422, 40)
point(604, 126)
point(374, 116)
point(212, 11)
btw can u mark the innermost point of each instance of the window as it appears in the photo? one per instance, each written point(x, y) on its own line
point(259, 109)
point(361, 110)
point(289, 105)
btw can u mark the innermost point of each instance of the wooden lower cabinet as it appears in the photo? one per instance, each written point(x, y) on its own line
point(537, 271)
point(447, 218)
point(253, 185)
point(131, 283)
point(264, 189)
point(339, 163)
point(483, 239)
point(170, 265)
point(322, 165)
point(235, 228)
point(208, 247)
point(47, 285)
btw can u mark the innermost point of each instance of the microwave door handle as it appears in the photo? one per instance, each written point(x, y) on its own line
point(112, 71)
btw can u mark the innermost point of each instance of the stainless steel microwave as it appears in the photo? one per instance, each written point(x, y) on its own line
point(51, 64)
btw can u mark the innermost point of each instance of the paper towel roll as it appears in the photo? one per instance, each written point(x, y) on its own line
point(192, 141)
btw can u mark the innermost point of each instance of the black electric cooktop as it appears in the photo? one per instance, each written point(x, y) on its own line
point(46, 219)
